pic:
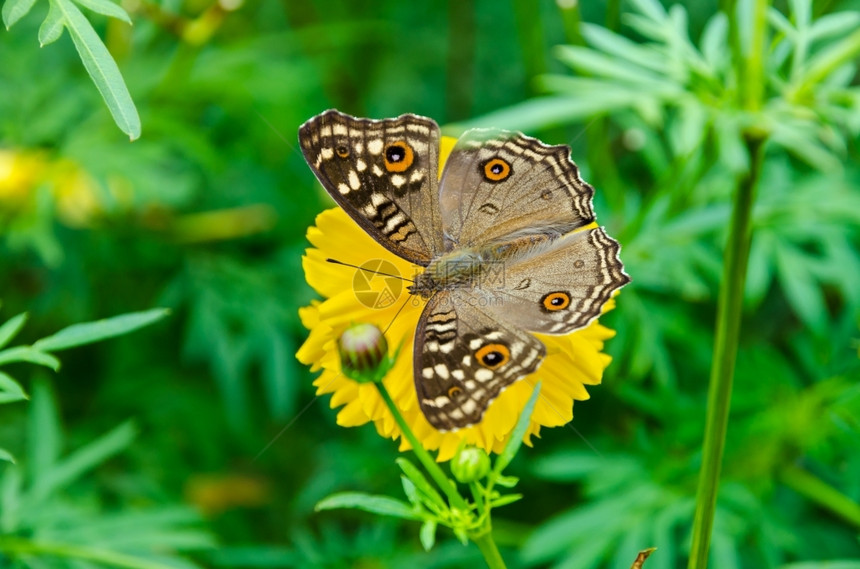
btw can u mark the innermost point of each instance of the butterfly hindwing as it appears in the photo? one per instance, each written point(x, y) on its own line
point(383, 174)
point(497, 183)
point(560, 288)
point(464, 358)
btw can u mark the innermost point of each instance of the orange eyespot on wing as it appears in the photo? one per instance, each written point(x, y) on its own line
point(496, 170)
point(493, 356)
point(398, 156)
point(556, 301)
point(454, 391)
point(342, 151)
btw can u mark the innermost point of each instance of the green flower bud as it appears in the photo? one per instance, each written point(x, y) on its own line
point(470, 464)
point(364, 353)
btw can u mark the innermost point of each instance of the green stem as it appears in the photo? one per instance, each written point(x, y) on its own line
point(488, 548)
point(753, 65)
point(725, 351)
point(821, 493)
point(12, 545)
point(444, 483)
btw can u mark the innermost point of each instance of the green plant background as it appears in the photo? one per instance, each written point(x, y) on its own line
point(142, 451)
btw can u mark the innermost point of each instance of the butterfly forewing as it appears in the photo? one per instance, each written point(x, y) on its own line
point(497, 183)
point(464, 357)
point(383, 174)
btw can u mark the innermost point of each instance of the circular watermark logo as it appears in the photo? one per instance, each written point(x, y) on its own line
point(377, 283)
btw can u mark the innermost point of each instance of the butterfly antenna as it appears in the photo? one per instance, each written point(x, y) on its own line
point(336, 262)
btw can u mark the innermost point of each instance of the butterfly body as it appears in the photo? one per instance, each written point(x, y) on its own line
point(501, 237)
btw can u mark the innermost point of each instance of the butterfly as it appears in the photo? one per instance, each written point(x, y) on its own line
point(498, 236)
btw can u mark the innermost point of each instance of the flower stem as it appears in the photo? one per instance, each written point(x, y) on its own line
point(725, 351)
point(488, 548)
point(444, 483)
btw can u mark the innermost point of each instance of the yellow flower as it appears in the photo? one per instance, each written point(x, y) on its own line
point(571, 363)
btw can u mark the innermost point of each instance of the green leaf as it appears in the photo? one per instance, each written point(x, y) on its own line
point(832, 25)
point(11, 327)
point(411, 493)
point(89, 332)
point(6, 455)
point(14, 10)
point(106, 8)
point(505, 500)
point(714, 40)
point(428, 534)
point(9, 385)
point(382, 505)
point(31, 355)
point(52, 27)
point(102, 69)
point(66, 470)
point(507, 481)
point(518, 433)
point(420, 481)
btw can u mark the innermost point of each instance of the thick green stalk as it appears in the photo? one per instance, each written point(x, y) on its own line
point(725, 351)
point(444, 483)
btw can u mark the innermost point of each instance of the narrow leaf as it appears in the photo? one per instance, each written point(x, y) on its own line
point(11, 327)
point(410, 491)
point(9, 385)
point(52, 27)
point(29, 354)
point(506, 499)
point(518, 433)
point(428, 534)
point(85, 458)
point(106, 8)
point(6, 455)
point(89, 332)
point(102, 69)
point(420, 481)
point(382, 505)
point(14, 10)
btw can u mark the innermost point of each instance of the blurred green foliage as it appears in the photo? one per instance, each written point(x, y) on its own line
point(206, 214)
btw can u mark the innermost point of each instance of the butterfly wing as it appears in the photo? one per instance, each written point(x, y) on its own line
point(497, 183)
point(560, 288)
point(464, 357)
point(383, 174)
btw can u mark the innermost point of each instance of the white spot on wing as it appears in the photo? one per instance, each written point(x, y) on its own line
point(360, 165)
point(483, 375)
point(374, 146)
point(354, 182)
point(398, 180)
point(327, 153)
point(441, 371)
point(343, 188)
